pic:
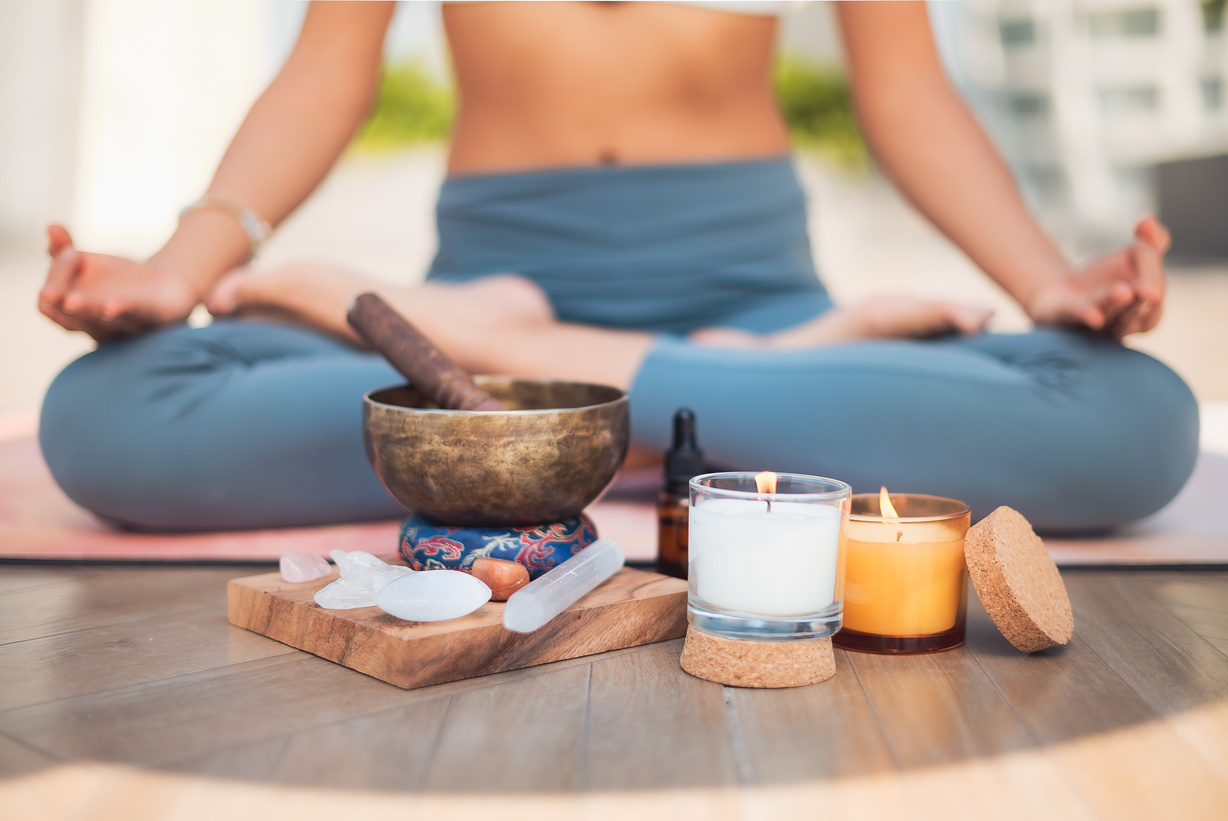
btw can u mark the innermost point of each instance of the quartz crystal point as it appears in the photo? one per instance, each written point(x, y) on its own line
point(362, 577)
point(535, 604)
point(433, 595)
point(303, 567)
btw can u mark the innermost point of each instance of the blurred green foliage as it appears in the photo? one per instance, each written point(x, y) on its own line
point(1213, 14)
point(817, 106)
point(413, 107)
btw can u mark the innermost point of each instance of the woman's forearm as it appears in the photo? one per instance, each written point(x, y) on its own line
point(290, 138)
point(928, 142)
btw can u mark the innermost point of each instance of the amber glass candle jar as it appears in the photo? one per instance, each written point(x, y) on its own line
point(906, 587)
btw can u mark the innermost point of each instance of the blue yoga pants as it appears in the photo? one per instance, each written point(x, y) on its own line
point(248, 423)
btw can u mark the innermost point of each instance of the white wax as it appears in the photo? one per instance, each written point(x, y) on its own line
point(780, 563)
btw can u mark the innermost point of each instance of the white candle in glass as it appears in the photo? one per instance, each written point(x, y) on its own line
point(774, 562)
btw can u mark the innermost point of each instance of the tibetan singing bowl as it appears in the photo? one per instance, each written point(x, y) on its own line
point(543, 460)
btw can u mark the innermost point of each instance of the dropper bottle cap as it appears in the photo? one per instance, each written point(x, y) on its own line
point(684, 459)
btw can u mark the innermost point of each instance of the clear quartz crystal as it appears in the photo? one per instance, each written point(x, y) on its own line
point(433, 595)
point(356, 561)
point(363, 576)
point(303, 567)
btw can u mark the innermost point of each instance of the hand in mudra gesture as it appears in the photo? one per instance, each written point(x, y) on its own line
point(1120, 294)
point(109, 297)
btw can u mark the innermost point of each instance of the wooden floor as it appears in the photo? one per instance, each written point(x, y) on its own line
point(123, 691)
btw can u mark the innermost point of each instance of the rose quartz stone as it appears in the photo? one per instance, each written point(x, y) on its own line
point(303, 567)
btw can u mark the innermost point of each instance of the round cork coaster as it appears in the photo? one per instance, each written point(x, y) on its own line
point(741, 663)
point(1018, 582)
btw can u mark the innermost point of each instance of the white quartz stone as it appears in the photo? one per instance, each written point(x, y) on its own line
point(433, 595)
point(303, 567)
point(362, 577)
point(356, 561)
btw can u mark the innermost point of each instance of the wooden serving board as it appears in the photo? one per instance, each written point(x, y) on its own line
point(632, 608)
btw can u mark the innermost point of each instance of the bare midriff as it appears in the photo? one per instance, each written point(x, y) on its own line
point(560, 85)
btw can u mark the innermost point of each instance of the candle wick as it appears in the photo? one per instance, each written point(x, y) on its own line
point(769, 504)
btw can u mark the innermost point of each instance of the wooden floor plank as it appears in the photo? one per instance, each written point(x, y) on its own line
point(938, 709)
point(73, 664)
point(1192, 588)
point(21, 759)
point(1129, 720)
point(253, 762)
point(883, 797)
point(21, 576)
point(1067, 695)
point(651, 726)
point(389, 750)
point(1173, 669)
point(1170, 666)
point(108, 598)
point(1210, 624)
point(191, 715)
point(657, 742)
point(805, 733)
point(504, 739)
point(942, 710)
point(1023, 785)
point(1199, 599)
point(206, 711)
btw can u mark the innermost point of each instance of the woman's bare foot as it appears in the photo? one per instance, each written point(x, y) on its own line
point(880, 318)
point(463, 319)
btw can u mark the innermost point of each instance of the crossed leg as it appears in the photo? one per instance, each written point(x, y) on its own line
point(505, 324)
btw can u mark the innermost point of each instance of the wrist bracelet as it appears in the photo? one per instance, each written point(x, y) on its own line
point(256, 229)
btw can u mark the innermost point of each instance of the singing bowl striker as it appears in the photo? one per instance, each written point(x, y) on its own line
point(543, 460)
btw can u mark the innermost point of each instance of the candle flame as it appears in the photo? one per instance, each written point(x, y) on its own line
point(884, 505)
point(766, 482)
point(888, 510)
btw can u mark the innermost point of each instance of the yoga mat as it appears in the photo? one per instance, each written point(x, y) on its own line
point(1191, 530)
point(37, 521)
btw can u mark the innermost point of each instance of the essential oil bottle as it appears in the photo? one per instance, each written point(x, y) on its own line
point(683, 460)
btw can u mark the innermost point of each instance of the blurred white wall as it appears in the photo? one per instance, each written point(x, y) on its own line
point(164, 88)
point(40, 66)
point(115, 112)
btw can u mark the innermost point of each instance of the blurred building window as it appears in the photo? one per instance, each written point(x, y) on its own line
point(1125, 100)
point(1047, 179)
point(1139, 22)
point(1213, 14)
point(1028, 104)
point(1017, 33)
point(1084, 95)
point(1212, 93)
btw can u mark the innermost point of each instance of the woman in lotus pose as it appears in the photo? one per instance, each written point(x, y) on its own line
point(620, 208)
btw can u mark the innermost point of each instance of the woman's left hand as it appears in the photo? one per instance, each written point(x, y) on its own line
point(1117, 295)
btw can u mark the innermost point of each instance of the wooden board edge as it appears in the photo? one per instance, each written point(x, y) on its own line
point(367, 650)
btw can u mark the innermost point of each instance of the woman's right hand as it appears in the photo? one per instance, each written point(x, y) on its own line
point(110, 297)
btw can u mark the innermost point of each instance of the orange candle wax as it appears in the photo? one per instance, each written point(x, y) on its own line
point(905, 580)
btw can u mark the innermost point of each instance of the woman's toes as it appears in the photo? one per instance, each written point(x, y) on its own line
point(969, 320)
point(227, 293)
point(727, 338)
point(514, 296)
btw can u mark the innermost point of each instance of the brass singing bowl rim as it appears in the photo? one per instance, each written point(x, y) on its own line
point(617, 395)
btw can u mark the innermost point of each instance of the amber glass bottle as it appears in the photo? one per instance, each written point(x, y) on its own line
point(683, 460)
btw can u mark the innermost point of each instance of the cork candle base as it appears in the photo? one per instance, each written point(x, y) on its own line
point(766, 664)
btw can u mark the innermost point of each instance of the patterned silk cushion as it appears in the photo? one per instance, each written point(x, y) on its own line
point(429, 546)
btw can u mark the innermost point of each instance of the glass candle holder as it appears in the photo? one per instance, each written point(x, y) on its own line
point(766, 566)
point(906, 588)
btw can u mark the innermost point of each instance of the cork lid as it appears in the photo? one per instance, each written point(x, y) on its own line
point(1018, 582)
